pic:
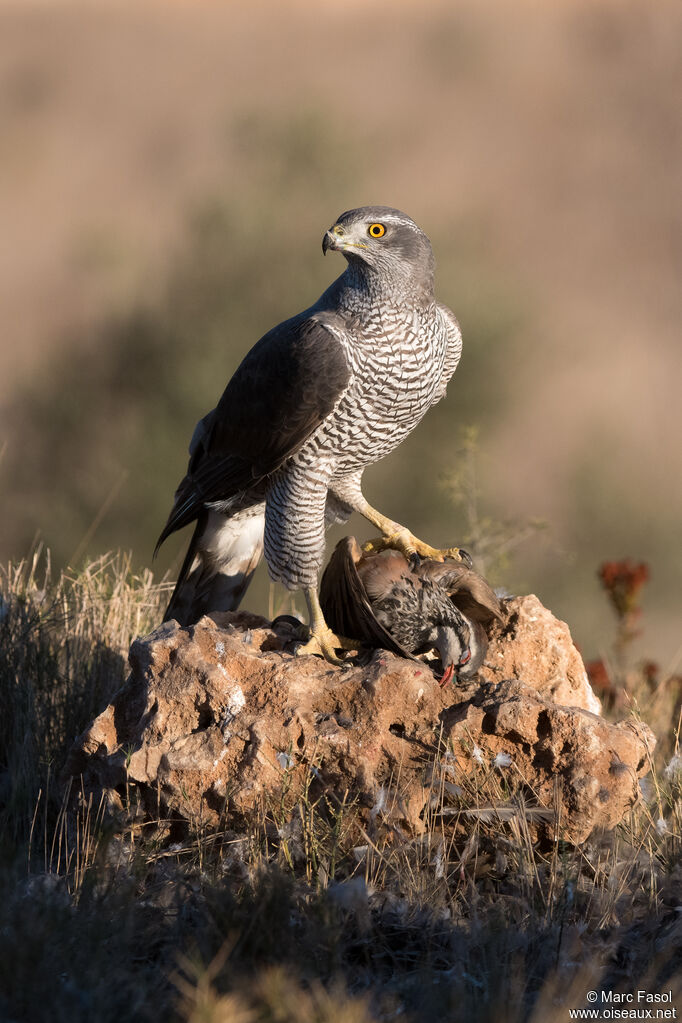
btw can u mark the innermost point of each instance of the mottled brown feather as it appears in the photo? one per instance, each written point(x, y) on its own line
point(467, 589)
point(353, 581)
point(345, 602)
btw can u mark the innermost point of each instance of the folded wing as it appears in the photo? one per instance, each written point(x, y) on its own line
point(283, 390)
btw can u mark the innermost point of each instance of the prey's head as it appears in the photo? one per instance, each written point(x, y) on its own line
point(382, 239)
point(452, 641)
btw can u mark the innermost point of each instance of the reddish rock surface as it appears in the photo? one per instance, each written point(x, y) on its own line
point(562, 753)
point(536, 647)
point(213, 718)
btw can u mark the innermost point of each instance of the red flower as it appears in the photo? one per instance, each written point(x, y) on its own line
point(598, 676)
point(623, 581)
point(651, 671)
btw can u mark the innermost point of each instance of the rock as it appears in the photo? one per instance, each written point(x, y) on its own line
point(535, 646)
point(596, 764)
point(214, 718)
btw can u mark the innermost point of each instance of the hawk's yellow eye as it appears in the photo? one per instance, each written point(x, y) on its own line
point(377, 230)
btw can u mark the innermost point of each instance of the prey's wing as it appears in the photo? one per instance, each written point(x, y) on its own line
point(345, 604)
point(381, 573)
point(468, 590)
point(285, 387)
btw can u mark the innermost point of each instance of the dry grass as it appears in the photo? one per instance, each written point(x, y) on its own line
point(63, 652)
point(301, 913)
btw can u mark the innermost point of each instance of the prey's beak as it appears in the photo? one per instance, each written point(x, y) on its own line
point(446, 676)
point(452, 656)
point(452, 669)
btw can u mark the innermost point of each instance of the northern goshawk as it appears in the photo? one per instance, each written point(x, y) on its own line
point(318, 399)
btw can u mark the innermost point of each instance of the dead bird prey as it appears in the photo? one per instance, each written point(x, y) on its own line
point(410, 607)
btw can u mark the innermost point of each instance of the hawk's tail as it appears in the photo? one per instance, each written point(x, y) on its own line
point(223, 555)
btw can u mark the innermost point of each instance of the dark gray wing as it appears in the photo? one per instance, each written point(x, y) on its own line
point(285, 387)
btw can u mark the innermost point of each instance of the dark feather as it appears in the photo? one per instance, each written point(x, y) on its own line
point(174, 610)
point(216, 572)
point(345, 604)
point(467, 589)
point(285, 387)
point(379, 574)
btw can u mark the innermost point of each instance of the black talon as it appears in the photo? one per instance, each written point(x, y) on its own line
point(466, 558)
point(286, 620)
point(294, 626)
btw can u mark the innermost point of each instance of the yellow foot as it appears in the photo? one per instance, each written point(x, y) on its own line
point(324, 643)
point(402, 540)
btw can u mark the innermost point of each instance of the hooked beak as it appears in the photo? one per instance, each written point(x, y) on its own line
point(330, 241)
point(338, 239)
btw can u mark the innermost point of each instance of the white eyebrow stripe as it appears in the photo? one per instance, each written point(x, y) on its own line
point(391, 219)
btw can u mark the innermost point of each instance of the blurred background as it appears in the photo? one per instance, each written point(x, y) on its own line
point(167, 172)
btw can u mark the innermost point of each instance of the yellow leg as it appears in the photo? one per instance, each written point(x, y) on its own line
point(323, 641)
point(401, 539)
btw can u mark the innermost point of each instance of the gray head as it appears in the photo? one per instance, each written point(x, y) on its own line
point(380, 239)
point(451, 637)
